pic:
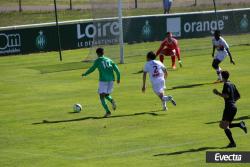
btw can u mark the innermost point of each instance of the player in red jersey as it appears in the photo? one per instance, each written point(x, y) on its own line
point(169, 47)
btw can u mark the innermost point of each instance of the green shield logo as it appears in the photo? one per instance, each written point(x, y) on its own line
point(244, 23)
point(146, 30)
point(41, 41)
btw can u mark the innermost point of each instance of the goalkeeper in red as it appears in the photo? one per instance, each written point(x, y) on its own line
point(169, 47)
point(106, 68)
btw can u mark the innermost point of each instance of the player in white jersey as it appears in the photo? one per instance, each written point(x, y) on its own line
point(157, 73)
point(222, 51)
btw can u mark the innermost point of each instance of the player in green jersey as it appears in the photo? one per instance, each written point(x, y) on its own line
point(106, 68)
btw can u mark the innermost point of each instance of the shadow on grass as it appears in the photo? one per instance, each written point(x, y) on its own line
point(236, 119)
point(44, 69)
point(189, 151)
point(190, 86)
point(152, 113)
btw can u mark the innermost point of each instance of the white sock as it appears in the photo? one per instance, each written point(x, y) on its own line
point(218, 71)
point(165, 98)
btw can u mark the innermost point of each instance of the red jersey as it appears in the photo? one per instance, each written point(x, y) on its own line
point(173, 45)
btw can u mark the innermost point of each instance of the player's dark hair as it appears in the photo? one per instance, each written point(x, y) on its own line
point(217, 32)
point(151, 55)
point(99, 51)
point(169, 34)
point(225, 75)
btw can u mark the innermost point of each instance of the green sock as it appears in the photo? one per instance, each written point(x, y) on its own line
point(109, 98)
point(104, 104)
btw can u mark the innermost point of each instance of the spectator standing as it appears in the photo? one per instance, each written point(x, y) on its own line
point(167, 5)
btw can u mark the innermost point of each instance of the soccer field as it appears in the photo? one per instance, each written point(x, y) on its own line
point(38, 126)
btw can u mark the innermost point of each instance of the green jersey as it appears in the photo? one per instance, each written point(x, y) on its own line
point(106, 68)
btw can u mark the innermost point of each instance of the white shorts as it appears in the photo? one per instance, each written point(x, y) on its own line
point(220, 55)
point(159, 86)
point(105, 87)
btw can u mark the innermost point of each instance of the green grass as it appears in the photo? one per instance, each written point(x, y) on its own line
point(138, 134)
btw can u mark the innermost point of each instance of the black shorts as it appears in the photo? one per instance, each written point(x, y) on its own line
point(229, 113)
point(216, 63)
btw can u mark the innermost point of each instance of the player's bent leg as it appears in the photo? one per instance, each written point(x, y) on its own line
point(173, 61)
point(215, 65)
point(111, 100)
point(109, 97)
point(104, 104)
point(158, 88)
point(113, 104)
point(218, 71)
point(164, 102)
point(178, 55)
point(172, 100)
point(224, 124)
point(243, 126)
point(166, 52)
point(230, 137)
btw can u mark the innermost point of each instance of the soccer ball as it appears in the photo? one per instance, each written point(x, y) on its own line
point(77, 107)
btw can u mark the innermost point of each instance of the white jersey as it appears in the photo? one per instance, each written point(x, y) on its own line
point(221, 46)
point(155, 69)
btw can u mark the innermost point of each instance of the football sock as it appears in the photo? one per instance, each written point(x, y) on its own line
point(104, 104)
point(109, 98)
point(165, 98)
point(218, 71)
point(234, 125)
point(178, 54)
point(229, 135)
point(173, 60)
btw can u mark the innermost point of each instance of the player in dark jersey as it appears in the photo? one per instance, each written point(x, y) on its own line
point(230, 95)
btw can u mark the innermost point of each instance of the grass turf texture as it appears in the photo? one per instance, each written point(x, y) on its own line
point(138, 133)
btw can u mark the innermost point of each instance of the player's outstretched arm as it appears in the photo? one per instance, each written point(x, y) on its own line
point(165, 73)
point(117, 71)
point(90, 70)
point(213, 51)
point(160, 48)
point(144, 76)
point(230, 56)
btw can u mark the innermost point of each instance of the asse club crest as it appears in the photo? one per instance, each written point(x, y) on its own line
point(146, 30)
point(41, 41)
point(244, 23)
